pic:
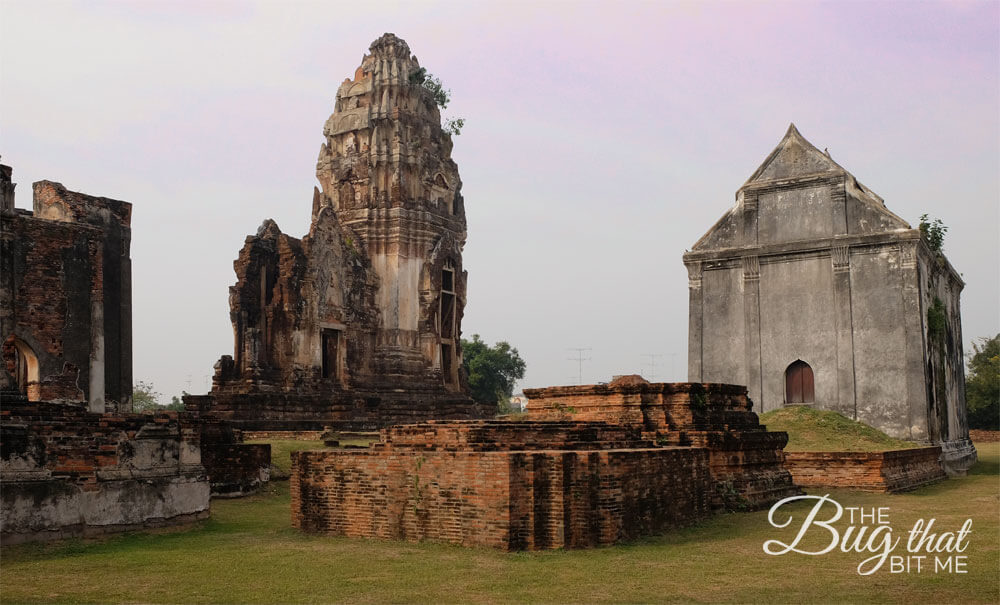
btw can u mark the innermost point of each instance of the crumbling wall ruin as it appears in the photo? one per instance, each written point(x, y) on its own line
point(65, 297)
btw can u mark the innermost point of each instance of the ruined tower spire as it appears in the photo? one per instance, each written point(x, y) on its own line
point(385, 169)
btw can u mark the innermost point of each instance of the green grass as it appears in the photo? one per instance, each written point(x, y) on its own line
point(249, 553)
point(281, 450)
point(812, 430)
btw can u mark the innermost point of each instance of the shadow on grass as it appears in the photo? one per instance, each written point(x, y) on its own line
point(989, 466)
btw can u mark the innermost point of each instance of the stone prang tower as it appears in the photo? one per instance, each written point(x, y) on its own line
point(386, 171)
point(358, 324)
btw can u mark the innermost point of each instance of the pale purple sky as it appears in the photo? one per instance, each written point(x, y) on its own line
point(602, 140)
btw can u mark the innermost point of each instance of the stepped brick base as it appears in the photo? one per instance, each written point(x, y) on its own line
point(745, 458)
point(891, 471)
point(508, 485)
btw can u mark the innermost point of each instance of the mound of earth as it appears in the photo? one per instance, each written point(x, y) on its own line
point(812, 430)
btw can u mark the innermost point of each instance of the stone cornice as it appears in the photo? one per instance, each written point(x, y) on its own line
point(733, 256)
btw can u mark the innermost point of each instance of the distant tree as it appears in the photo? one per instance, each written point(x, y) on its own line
point(175, 404)
point(492, 370)
point(982, 384)
point(933, 232)
point(144, 397)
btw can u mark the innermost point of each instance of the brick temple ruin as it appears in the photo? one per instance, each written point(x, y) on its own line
point(358, 323)
point(592, 465)
point(74, 459)
point(810, 291)
point(66, 297)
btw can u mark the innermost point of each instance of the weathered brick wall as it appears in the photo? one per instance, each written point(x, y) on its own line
point(745, 457)
point(65, 288)
point(236, 469)
point(890, 471)
point(478, 483)
point(65, 471)
point(55, 271)
point(282, 435)
point(306, 410)
point(981, 436)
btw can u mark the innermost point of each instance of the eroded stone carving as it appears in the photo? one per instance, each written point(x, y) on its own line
point(360, 320)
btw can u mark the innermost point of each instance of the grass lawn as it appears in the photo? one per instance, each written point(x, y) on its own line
point(812, 430)
point(248, 552)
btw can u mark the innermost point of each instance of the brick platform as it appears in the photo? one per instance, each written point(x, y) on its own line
point(745, 458)
point(509, 485)
point(891, 471)
point(65, 471)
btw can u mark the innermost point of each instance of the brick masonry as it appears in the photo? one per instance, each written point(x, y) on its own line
point(981, 436)
point(65, 297)
point(65, 471)
point(236, 469)
point(508, 485)
point(744, 457)
point(282, 435)
point(889, 471)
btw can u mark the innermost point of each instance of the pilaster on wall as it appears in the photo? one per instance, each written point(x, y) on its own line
point(913, 334)
point(696, 319)
point(751, 321)
point(838, 200)
point(843, 315)
point(749, 231)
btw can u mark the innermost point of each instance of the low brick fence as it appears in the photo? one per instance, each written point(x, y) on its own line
point(981, 436)
point(889, 471)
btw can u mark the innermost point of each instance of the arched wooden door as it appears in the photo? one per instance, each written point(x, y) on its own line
point(799, 383)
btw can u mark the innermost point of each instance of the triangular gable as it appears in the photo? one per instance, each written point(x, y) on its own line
point(794, 157)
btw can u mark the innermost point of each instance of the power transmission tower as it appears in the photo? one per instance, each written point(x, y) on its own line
point(579, 359)
point(652, 364)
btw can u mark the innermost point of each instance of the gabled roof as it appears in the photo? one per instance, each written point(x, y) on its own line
point(794, 157)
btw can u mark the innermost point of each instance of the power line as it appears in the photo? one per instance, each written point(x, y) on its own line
point(579, 359)
point(652, 364)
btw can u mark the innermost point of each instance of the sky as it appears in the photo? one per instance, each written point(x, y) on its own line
point(601, 141)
